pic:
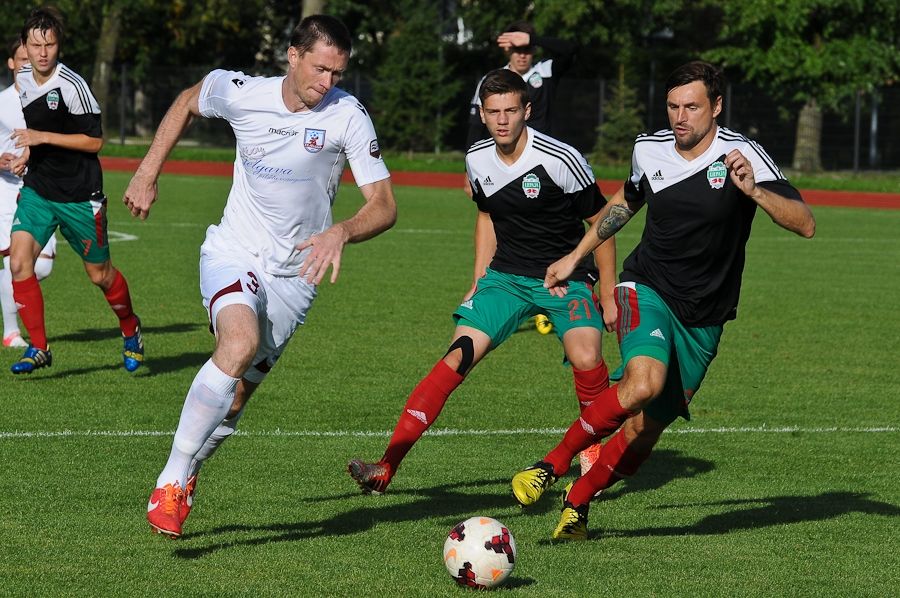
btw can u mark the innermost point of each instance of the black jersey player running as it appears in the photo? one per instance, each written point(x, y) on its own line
point(533, 195)
point(701, 184)
point(63, 189)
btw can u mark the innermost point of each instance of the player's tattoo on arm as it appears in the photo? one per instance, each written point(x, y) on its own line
point(618, 215)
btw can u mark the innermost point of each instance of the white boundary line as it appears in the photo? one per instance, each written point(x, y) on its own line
point(15, 434)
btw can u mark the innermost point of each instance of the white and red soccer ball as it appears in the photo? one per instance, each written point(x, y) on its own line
point(480, 553)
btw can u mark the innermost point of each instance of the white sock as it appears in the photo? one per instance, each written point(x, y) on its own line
point(42, 267)
point(207, 403)
point(219, 435)
point(10, 323)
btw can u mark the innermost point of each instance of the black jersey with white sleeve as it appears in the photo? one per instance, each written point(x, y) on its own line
point(692, 250)
point(537, 205)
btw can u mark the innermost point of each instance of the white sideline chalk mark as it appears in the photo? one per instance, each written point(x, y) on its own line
point(16, 434)
point(116, 236)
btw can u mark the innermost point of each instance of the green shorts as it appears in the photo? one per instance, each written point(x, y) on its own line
point(647, 327)
point(503, 301)
point(82, 223)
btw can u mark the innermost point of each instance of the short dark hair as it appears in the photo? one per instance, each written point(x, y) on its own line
point(502, 81)
point(523, 26)
point(326, 28)
point(45, 18)
point(698, 70)
point(12, 46)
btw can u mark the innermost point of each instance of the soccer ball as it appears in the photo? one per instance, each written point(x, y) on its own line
point(480, 553)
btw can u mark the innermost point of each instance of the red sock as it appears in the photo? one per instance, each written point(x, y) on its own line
point(120, 301)
point(590, 383)
point(616, 461)
point(598, 421)
point(30, 302)
point(421, 409)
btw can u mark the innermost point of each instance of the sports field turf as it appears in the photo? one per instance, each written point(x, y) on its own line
point(784, 483)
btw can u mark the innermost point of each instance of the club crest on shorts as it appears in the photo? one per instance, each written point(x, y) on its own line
point(531, 185)
point(53, 100)
point(716, 174)
point(314, 140)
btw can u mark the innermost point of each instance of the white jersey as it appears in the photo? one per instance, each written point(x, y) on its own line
point(288, 165)
point(11, 118)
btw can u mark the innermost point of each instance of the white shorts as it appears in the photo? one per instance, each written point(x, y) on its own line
point(9, 195)
point(230, 275)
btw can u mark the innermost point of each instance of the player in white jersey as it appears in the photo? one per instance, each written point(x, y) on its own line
point(259, 267)
point(11, 118)
point(702, 185)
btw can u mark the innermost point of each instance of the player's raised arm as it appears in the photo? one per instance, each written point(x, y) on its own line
point(378, 214)
point(142, 189)
point(787, 213)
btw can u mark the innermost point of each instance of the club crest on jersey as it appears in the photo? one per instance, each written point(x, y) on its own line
point(314, 140)
point(716, 174)
point(535, 80)
point(531, 185)
point(53, 100)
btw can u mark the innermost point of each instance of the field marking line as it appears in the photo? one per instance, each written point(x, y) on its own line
point(114, 236)
point(279, 433)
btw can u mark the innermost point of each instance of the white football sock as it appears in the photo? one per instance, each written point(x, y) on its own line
point(219, 435)
point(10, 323)
point(207, 403)
point(42, 267)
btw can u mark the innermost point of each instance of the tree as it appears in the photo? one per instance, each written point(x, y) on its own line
point(413, 86)
point(816, 53)
point(106, 55)
point(621, 124)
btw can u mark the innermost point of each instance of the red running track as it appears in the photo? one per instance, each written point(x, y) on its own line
point(449, 180)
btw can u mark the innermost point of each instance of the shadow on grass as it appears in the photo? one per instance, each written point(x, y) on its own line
point(100, 334)
point(767, 512)
point(153, 366)
point(445, 501)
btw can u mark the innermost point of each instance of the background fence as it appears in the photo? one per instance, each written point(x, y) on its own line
point(864, 134)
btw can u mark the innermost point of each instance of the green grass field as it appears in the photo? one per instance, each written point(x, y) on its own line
point(785, 482)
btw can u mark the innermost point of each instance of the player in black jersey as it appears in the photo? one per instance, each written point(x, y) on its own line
point(534, 195)
point(702, 185)
point(63, 188)
point(519, 40)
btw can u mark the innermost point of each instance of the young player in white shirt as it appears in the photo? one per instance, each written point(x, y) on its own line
point(260, 265)
point(11, 118)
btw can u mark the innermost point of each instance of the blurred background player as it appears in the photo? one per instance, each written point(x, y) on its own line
point(261, 265)
point(519, 42)
point(63, 188)
point(533, 194)
point(702, 185)
point(11, 118)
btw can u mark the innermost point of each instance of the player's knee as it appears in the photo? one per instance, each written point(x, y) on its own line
point(585, 358)
point(461, 355)
point(42, 267)
point(637, 389)
point(21, 266)
point(234, 355)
